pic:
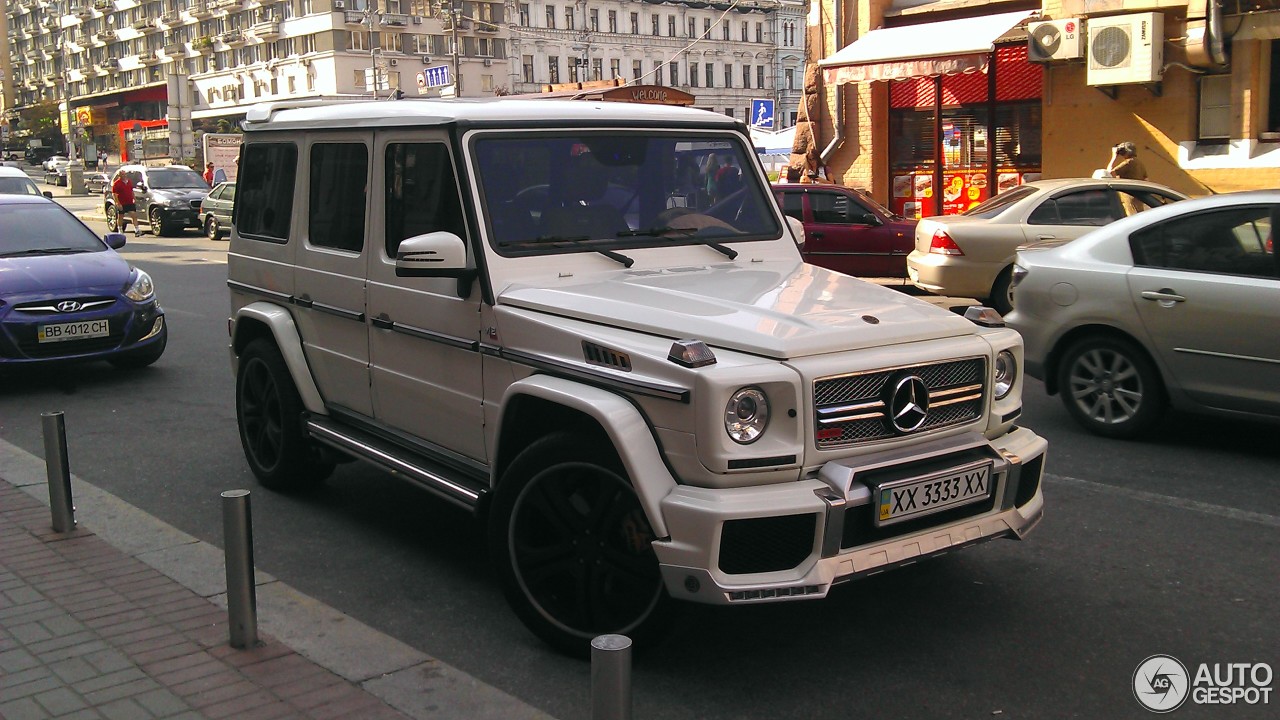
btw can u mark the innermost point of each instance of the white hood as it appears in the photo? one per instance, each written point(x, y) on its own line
point(777, 309)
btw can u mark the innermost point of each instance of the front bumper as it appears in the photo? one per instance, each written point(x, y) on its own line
point(795, 541)
point(133, 327)
point(185, 216)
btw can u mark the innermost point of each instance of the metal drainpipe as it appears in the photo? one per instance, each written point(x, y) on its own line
point(838, 138)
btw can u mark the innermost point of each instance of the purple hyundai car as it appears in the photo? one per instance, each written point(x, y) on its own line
point(66, 295)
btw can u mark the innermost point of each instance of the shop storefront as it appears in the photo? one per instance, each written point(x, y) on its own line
point(959, 139)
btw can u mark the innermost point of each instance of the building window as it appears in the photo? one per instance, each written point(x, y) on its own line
point(574, 65)
point(637, 69)
point(693, 27)
point(693, 74)
point(711, 75)
point(615, 68)
point(653, 23)
point(671, 26)
point(635, 23)
point(759, 32)
point(1273, 85)
point(706, 27)
point(746, 76)
point(760, 77)
point(551, 17)
point(524, 14)
point(597, 69)
point(744, 31)
point(673, 72)
point(790, 76)
point(613, 21)
point(486, 83)
point(568, 18)
point(553, 68)
point(728, 112)
point(527, 64)
point(724, 31)
point(1215, 107)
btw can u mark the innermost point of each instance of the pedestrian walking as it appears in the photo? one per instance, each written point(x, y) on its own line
point(208, 174)
point(122, 189)
point(102, 161)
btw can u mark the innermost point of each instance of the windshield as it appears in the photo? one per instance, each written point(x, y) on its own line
point(998, 204)
point(18, 186)
point(176, 179)
point(590, 192)
point(43, 229)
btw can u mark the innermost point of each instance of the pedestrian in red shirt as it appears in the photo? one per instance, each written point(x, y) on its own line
point(208, 174)
point(122, 189)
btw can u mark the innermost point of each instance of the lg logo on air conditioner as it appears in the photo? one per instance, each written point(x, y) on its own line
point(1162, 684)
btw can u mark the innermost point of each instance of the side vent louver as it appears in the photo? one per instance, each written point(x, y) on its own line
point(601, 355)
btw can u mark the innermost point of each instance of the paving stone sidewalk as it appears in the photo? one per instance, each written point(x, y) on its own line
point(87, 631)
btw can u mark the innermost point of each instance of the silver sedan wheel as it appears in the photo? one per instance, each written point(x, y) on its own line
point(1111, 387)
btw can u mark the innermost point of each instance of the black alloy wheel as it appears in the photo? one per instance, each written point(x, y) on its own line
point(270, 414)
point(574, 547)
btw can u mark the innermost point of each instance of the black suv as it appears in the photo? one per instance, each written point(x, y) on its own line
point(168, 197)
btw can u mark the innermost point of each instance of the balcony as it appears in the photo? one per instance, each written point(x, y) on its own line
point(267, 29)
point(232, 37)
point(84, 12)
point(200, 10)
point(202, 44)
point(175, 48)
point(486, 27)
point(148, 57)
point(226, 4)
point(106, 36)
point(103, 5)
point(110, 64)
point(144, 24)
point(171, 19)
point(353, 17)
point(395, 20)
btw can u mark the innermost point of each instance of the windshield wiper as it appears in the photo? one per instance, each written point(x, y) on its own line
point(46, 251)
point(659, 232)
point(564, 239)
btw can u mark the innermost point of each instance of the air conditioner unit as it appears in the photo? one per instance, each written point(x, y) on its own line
point(417, 20)
point(1126, 49)
point(1055, 40)
point(426, 59)
point(339, 5)
point(393, 62)
point(488, 62)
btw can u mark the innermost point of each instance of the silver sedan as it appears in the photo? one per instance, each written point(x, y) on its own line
point(1177, 306)
point(971, 255)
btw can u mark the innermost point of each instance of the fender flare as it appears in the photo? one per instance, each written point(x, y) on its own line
point(622, 422)
point(285, 333)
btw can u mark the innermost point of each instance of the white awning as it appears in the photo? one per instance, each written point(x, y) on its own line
point(938, 48)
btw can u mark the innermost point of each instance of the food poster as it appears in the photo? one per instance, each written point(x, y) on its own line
point(912, 194)
point(961, 191)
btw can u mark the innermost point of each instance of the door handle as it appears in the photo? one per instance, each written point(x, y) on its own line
point(1162, 295)
point(1046, 237)
point(816, 236)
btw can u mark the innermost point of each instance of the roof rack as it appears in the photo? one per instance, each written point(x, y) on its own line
point(262, 112)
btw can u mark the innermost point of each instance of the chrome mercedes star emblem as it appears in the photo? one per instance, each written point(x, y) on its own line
point(909, 403)
point(68, 306)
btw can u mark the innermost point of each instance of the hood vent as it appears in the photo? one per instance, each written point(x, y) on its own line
point(601, 355)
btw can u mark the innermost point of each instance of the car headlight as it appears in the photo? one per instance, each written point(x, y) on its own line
point(176, 203)
point(1006, 373)
point(141, 288)
point(746, 415)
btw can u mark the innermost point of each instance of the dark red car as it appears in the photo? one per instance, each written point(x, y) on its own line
point(845, 230)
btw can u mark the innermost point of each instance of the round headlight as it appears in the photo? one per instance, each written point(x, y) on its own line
point(1006, 373)
point(141, 289)
point(746, 415)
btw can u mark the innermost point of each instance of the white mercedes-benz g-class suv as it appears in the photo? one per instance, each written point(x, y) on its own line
point(589, 322)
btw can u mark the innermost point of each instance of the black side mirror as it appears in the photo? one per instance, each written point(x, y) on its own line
point(47, 194)
point(870, 219)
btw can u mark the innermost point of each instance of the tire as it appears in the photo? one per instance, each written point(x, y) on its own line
point(1111, 387)
point(574, 548)
point(1002, 292)
point(158, 228)
point(140, 358)
point(211, 229)
point(113, 219)
point(269, 414)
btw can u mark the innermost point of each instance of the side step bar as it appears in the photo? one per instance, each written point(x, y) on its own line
point(437, 478)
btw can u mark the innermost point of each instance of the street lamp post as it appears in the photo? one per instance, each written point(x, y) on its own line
point(455, 11)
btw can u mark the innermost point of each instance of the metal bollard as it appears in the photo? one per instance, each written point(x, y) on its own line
point(55, 461)
point(242, 599)
point(611, 677)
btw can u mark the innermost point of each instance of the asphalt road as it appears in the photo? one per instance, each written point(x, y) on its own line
point(1164, 546)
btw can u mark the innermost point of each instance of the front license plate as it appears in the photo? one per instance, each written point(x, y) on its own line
point(913, 498)
point(73, 331)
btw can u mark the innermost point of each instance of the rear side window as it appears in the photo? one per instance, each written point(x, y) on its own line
point(1087, 207)
point(339, 176)
point(267, 175)
point(792, 204)
point(422, 193)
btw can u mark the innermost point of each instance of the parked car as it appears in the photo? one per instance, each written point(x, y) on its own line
point(56, 172)
point(96, 183)
point(67, 294)
point(15, 182)
point(37, 155)
point(971, 255)
point(643, 389)
point(847, 231)
point(216, 210)
point(168, 198)
point(1177, 306)
point(48, 163)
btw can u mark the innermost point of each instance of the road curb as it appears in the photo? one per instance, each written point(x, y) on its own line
point(407, 679)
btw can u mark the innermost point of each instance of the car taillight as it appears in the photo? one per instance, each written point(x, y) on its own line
point(942, 244)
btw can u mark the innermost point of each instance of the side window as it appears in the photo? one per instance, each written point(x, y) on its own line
point(267, 175)
point(135, 178)
point(216, 194)
point(792, 204)
point(229, 192)
point(1046, 214)
point(422, 193)
point(1087, 207)
point(1231, 241)
point(339, 178)
point(831, 208)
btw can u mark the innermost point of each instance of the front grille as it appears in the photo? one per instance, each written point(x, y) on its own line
point(767, 544)
point(50, 307)
point(195, 205)
point(854, 408)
